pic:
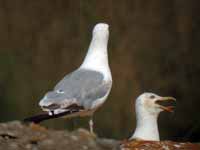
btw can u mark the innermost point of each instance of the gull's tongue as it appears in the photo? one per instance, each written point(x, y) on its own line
point(168, 108)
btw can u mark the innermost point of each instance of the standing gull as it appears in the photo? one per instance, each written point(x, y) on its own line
point(83, 91)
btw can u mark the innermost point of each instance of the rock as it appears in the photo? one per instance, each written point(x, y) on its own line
point(18, 136)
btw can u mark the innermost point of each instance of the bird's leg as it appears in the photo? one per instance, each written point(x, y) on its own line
point(91, 124)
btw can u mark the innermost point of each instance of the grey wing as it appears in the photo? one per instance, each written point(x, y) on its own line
point(95, 93)
point(81, 88)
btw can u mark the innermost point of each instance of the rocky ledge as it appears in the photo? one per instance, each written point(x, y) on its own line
point(18, 136)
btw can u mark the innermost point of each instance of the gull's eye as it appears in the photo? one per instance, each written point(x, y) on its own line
point(60, 91)
point(152, 97)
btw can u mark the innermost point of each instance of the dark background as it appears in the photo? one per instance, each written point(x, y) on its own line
point(154, 46)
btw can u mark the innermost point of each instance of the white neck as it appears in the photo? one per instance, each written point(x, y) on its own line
point(147, 127)
point(97, 57)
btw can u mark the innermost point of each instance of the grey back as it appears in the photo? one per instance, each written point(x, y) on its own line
point(81, 86)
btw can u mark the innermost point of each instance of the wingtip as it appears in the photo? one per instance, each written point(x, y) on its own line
point(44, 116)
point(37, 118)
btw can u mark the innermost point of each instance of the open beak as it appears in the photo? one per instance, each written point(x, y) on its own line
point(166, 103)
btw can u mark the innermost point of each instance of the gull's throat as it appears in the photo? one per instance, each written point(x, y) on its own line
point(146, 127)
point(97, 57)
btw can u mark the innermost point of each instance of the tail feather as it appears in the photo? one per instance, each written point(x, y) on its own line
point(45, 116)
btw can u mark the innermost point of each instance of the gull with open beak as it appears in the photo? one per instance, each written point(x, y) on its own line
point(146, 136)
point(148, 107)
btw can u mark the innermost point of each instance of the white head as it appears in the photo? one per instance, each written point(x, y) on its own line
point(148, 106)
point(150, 103)
point(101, 29)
